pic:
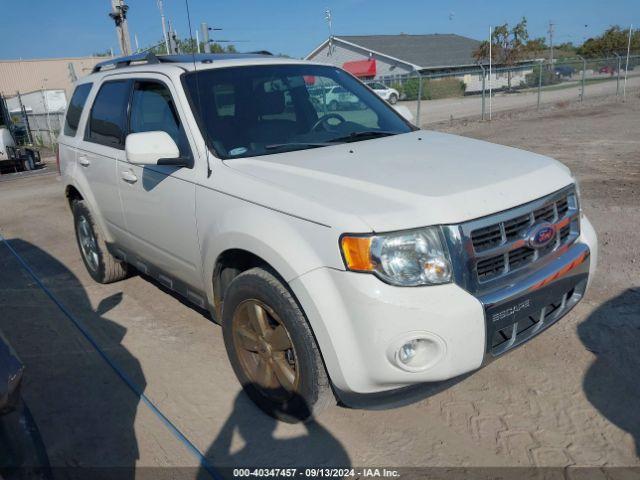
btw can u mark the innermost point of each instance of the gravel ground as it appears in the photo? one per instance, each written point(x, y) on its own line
point(570, 397)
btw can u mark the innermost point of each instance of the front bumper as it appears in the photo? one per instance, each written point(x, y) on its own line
point(358, 320)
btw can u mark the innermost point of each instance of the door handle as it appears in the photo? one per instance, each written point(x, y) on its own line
point(84, 161)
point(129, 177)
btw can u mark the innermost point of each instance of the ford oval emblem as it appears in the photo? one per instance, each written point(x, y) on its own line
point(540, 235)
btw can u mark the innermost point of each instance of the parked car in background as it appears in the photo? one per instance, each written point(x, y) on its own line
point(343, 253)
point(389, 94)
point(564, 71)
point(339, 98)
point(608, 69)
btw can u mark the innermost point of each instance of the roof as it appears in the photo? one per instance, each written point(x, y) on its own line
point(424, 51)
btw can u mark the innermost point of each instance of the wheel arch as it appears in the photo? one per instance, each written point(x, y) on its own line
point(73, 192)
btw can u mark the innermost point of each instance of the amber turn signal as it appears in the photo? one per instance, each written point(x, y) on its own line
point(357, 253)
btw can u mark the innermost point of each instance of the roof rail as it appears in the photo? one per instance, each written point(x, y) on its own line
point(120, 62)
point(149, 57)
point(260, 52)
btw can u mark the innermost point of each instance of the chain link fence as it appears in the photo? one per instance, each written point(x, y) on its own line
point(474, 92)
point(461, 93)
point(45, 127)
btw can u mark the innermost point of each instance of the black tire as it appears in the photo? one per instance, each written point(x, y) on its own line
point(333, 106)
point(104, 268)
point(313, 392)
point(393, 99)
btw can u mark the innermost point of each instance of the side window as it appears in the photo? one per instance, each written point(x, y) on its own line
point(78, 99)
point(153, 109)
point(108, 114)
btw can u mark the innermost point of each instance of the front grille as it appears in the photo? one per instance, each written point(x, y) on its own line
point(511, 335)
point(499, 246)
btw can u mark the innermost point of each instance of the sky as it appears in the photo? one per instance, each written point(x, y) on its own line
point(71, 28)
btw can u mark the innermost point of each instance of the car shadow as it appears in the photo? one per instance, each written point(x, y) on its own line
point(84, 411)
point(258, 445)
point(612, 334)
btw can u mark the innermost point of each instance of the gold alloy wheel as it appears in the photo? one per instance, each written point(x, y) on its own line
point(265, 349)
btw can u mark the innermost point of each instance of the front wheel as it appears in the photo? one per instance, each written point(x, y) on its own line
point(393, 99)
point(272, 349)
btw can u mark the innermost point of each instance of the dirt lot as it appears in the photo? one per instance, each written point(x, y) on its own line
point(570, 397)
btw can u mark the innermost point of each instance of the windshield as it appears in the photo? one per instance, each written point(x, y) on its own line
point(265, 109)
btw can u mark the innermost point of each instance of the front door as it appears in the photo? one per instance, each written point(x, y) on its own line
point(159, 201)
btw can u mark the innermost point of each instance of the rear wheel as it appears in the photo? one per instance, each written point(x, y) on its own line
point(272, 349)
point(101, 265)
point(393, 99)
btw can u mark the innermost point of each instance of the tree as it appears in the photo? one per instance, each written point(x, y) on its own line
point(613, 40)
point(535, 45)
point(106, 53)
point(189, 46)
point(507, 46)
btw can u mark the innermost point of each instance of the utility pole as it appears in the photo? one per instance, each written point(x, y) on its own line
point(551, 31)
point(164, 26)
point(119, 16)
point(173, 41)
point(204, 29)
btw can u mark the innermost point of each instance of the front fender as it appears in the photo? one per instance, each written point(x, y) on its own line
point(290, 245)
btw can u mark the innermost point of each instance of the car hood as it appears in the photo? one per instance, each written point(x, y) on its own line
point(404, 181)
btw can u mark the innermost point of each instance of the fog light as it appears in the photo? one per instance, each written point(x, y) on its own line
point(415, 353)
point(407, 351)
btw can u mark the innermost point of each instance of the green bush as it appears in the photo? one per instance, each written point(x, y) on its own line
point(548, 77)
point(433, 89)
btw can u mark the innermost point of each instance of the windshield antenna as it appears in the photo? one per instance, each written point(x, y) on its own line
point(195, 69)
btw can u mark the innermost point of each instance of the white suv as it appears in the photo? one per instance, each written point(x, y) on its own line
point(342, 252)
point(389, 94)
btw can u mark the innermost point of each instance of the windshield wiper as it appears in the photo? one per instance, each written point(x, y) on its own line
point(354, 136)
point(278, 146)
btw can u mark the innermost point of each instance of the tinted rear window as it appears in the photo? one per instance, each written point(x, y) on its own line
point(78, 99)
point(108, 115)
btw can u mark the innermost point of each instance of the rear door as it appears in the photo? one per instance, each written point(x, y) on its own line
point(101, 149)
point(69, 137)
point(159, 200)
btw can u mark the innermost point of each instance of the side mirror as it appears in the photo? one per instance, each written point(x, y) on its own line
point(404, 112)
point(153, 148)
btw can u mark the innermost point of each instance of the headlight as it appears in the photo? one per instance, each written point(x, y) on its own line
point(578, 197)
point(409, 258)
